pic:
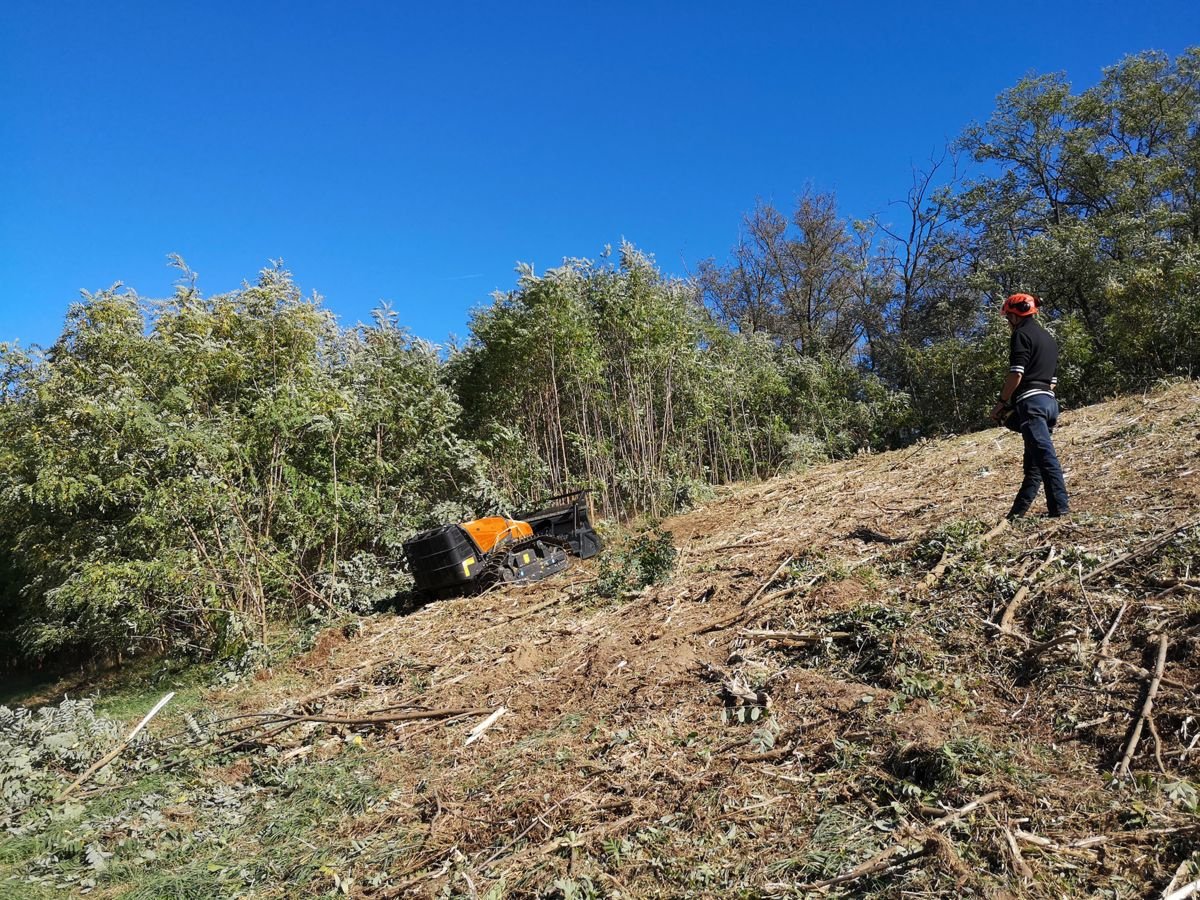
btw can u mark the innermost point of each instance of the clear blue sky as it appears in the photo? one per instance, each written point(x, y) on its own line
point(414, 152)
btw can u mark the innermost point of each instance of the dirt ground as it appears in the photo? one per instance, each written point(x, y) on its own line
point(615, 767)
point(894, 656)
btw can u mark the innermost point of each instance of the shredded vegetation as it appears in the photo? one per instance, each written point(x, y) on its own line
point(765, 697)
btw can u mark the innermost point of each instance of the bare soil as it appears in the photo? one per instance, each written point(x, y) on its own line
point(619, 767)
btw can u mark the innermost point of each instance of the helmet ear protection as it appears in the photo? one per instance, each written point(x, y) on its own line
point(1020, 305)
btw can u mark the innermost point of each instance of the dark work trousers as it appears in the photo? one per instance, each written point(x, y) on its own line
point(1035, 418)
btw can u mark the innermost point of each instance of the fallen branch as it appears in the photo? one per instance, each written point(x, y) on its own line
point(1019, 865)
point(1123, 769)
point(744, 542)
point(113, 754)
point(477, 732)
point(1188, 890)
point(1044, 843)
point(407, 716)
point(1145, 547)
point(1037, 648)
point(901, 852)
point(1010, 610)
point(946, 561)
point(790, 637)
point(762, 587)
point(1103, 651)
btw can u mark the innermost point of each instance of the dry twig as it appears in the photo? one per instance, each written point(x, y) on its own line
point(1123, 769)
point(115, 752)
point(946, 561)
point(477, 732)
point(902, 851)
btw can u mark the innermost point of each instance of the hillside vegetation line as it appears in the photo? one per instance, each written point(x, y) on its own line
point(179, 474)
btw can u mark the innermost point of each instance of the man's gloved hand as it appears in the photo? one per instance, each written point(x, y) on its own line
point(999, 413)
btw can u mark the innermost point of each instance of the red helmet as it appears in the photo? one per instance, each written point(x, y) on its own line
point(1020, 305)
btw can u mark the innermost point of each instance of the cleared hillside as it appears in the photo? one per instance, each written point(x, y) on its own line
point(896, 656)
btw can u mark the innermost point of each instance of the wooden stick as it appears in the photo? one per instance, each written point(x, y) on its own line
point(938, 569)
point(954, 815)
point(109, 757)
point(1019, 865)
point(1157, 745)
point(1123, 770)
point(1112, 629)
point(1045, 843)
point(1010, 611)
point(1034, 650)
point(477, 732)
point(901, 852)
point(762, 587)
point(945, 562)
point(796, 637)
point(1188, 890)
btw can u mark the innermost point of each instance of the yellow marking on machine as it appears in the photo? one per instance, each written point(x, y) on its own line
point(467, 563)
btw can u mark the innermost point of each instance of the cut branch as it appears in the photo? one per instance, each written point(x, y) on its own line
point(1006, 619)
point(113, 754)
point(1147, 707)
point(946, 561)
point(901, 852)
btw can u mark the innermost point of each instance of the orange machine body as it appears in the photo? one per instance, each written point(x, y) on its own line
point(492, 530)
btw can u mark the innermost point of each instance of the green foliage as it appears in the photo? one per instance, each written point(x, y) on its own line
point(648, 558)
point(949, 538)
point(876, 642)
point(175, 474)
point(835, 409)
point(33, 744)
point(611, 376)
point(1094, 207)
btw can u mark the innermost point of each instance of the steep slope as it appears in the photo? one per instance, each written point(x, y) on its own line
point(841, 660)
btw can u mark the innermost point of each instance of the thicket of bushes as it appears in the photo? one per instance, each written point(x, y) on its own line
point(177, 473)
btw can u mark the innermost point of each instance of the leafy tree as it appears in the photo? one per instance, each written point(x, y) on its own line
point(795, 278)
point(178, 473)
point(1094, 207)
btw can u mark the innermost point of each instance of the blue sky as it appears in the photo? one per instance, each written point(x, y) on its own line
point(413, 153)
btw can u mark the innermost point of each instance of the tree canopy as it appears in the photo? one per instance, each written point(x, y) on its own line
point(177, 473)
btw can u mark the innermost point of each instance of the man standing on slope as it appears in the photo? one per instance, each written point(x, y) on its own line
point(1027, 405)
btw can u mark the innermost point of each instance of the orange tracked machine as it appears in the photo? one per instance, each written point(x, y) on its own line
point(467, 556)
